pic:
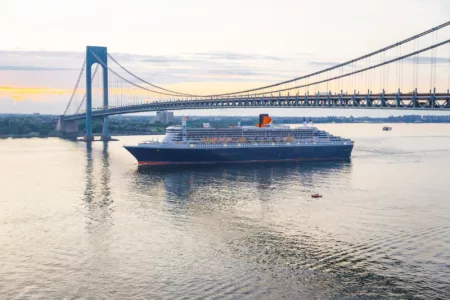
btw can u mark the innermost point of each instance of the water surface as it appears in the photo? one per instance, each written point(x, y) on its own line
point(80, 221)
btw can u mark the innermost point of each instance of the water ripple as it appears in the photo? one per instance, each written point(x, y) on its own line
point(89, 224)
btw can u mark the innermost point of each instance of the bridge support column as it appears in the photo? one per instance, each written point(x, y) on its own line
point(105, 132)
point(97, 55)
point(88, 136)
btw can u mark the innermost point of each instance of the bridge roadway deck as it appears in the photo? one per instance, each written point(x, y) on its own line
point(412, 101)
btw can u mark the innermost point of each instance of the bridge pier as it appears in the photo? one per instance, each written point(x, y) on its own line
point(105, 131)
point(67, 126)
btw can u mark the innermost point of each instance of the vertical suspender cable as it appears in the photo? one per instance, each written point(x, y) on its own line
point(76, 87)
point(448, 70)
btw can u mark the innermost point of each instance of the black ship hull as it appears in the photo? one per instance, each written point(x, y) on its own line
point(179, 156)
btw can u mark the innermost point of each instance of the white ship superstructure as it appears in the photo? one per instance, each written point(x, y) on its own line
point(180, 136)
point(242, 144)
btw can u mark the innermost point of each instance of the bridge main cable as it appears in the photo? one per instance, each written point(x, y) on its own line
point(149, 83)
point(132, 83)
point(340, 76)
point(361, 70)
point(339, 65)
point(309, 84)
point(75, 88)
point(175, 93)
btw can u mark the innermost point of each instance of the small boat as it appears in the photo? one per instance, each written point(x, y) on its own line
point(386, 128)
point(316, 196)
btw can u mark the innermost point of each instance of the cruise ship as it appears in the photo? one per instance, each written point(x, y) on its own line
point(264, 142)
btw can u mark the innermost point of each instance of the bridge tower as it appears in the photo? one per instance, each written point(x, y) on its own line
point(99, 55)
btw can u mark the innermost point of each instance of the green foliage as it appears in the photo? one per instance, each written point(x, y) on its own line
point(45, 125)
point(20, 125)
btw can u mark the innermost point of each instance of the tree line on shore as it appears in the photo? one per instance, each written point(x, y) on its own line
point(45, 125)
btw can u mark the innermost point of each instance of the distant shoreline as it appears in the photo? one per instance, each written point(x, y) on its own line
point(29, 136)
point(68, 136)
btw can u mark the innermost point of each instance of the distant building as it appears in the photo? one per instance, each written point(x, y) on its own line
point(164, 117)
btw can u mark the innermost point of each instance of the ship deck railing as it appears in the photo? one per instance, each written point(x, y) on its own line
point(245, 144)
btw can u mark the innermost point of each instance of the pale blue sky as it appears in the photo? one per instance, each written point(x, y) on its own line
point(43, 41)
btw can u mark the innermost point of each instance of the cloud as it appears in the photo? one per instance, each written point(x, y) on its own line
point(324, 63)
point(427, 60)
point(201, 56)
point(193, 59)
point(34, 62)
point(208, 72)
point(32, 68)
point(204, 67)
point(18, 93)
point(17, 98)
point(50, 105)
point(160, 69)
point(32, 99)
point(235, 56)
point(138, 58)
point(213, 73)
point(162, 59)
point(43, 54)
point(238, 72)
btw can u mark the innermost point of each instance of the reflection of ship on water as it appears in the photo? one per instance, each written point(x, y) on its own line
point(97, 194)
point(212, 182)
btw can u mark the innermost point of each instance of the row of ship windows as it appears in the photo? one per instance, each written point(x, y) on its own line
point(253, 140)
point(253, 137)
point(253, 134)
point(189, 136)
point(256, 144)
point(240, 131)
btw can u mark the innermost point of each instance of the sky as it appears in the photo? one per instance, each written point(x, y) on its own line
point(200, 46)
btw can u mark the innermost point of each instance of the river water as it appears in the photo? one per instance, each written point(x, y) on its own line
point(84, 222)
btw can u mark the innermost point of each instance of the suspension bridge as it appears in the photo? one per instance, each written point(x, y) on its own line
point(412, 74)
